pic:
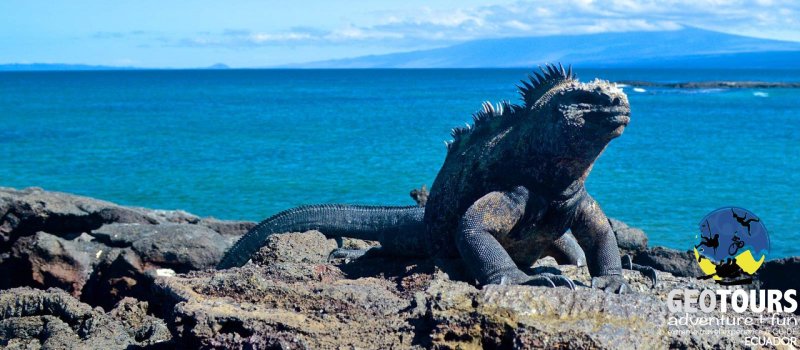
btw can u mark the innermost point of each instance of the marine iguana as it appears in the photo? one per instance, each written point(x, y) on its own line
point(511, 186)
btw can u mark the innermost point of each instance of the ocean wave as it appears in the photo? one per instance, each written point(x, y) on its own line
point(705, 91)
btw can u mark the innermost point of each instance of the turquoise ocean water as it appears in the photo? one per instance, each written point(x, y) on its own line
point(244, 144)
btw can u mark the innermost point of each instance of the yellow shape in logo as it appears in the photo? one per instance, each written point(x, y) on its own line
point(706, 265)
point(745, 260)
point(748, 263)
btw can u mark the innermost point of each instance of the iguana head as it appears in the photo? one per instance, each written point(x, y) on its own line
point(597, 110)
point(562, 125)
point(578, 119)
point(583, 116)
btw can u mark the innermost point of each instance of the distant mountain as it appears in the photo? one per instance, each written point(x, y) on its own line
point(688, 47)
point(218, 66)
point(55, 66)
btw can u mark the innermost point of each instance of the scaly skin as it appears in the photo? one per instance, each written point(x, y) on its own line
point(509, 190)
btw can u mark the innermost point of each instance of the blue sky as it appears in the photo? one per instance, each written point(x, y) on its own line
point(166, 33)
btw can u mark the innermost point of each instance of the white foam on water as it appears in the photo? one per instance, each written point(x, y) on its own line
point(704, 91)
point(638, 89)
point(760, 94)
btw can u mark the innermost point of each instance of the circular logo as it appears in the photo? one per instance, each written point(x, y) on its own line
point(731, 246)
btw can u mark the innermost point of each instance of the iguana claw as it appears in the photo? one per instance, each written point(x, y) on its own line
point(611, 283)
point(550, 280)
point(647, 271)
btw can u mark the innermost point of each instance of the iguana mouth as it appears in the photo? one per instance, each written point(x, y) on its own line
point(613, 116)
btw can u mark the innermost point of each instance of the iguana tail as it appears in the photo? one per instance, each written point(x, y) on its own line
point(397, 228)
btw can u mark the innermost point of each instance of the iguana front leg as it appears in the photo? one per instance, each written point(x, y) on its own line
point(494, 215)
point(594, 234)
point(566, 250)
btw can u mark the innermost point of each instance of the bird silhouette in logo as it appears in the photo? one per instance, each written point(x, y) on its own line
point(744, 221)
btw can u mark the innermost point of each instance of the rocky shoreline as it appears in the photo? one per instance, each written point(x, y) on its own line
point(77, 272)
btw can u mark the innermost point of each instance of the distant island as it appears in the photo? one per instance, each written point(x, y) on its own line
point(83, 67)
point(714, 84)
point(57, 67)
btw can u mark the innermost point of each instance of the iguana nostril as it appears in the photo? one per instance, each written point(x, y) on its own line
point(616, 101)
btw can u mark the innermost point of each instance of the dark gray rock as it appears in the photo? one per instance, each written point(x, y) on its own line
point(182, 247)
point(135, 318)
point(676, 262)
point(232, 229)
point(119, 274)
point(52, 319)
point(44, 260)
point(100, 251)
point(170, 216)
point(781, 274)
point(81, 266)
point(629, 239)
point(25, 212)
point(113, 261)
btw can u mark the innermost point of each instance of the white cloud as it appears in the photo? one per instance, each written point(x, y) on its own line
point(514, 24)
point(427, 27)
point(258, 38)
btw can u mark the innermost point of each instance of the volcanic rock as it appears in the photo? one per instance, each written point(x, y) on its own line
point(300, 301)
point(151, 269)
point(629, 239)
point(44, 260)
point(182, 247)
point(52, 319)
point(25, 212)
point(669, 260)
point(100, 251)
